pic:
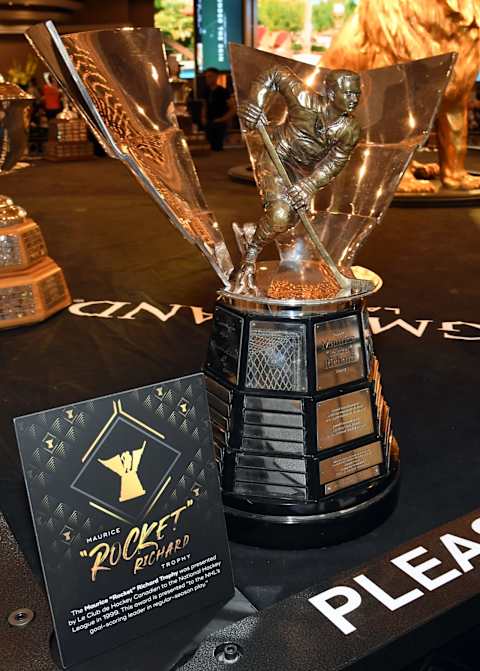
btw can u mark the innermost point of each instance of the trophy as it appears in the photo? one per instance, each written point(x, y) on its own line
point(14, 122)
point(67, 137)
point(32, 285)
point(301, 429)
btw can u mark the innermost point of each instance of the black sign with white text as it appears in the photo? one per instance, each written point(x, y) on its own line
point(126, 507)
point(383, 615)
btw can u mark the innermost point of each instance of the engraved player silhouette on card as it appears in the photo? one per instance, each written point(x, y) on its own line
point(126, 468)
point(126, 465)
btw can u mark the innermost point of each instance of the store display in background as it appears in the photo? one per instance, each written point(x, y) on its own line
point(32, 285)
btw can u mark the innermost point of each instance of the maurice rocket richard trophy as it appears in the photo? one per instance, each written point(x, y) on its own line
point(301, 429)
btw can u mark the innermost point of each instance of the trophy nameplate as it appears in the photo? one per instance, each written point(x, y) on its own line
point(339, 352)
point(353, 461)
point(344, 418)
point(352, 480)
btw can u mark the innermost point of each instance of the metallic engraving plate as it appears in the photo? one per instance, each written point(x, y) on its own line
point(271, 463)
point(272, 446)
point(223, 355)
point(218, 452)
point(34, 244)
point(337, 332)
point(368, 339)
point(269, 491)
point(9, 251)
point(375, 369)
point(219, 405)
point(52, 289)
point(17, 302)
point(220, 436)
point(389, 441)
point(339, 355)
point(276, 357)
point(377, 390)
point(351, 480)
point(385, 421)
point(218, 389)
point(347, 463)
point(344, 418)
point(273, 419)
point(275, 404)
point(270, 477)
point(273, 433)
point(219, 420)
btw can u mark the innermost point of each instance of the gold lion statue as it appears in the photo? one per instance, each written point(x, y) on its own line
point(385, 32)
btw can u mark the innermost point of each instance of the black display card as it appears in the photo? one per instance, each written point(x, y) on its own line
point(127, 512)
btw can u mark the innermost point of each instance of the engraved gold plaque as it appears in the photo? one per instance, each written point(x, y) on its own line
point(351, 480)
point(339, 356)
point(344, 418)
point(347, 463)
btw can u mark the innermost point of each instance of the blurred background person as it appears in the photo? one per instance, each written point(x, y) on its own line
point(218, 110)
point(51, 98)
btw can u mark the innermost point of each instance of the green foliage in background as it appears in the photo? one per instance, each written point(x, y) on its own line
point(281, 14)
point(173, 17)
point(22, 74)
point(323, 14)
point(289, 15)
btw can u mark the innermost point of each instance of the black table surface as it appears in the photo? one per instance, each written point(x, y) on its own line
point(119, 252)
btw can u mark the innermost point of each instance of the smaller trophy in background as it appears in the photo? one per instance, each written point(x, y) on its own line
point(14, 123)
point(32, 286)
point(68, 137)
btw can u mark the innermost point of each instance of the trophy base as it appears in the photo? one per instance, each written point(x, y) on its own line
point(299, 532)
point(68, 151)
point(301, 430)
point(32, 295)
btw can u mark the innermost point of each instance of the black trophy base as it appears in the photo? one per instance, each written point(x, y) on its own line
point(301, 532)
point(301, 429)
